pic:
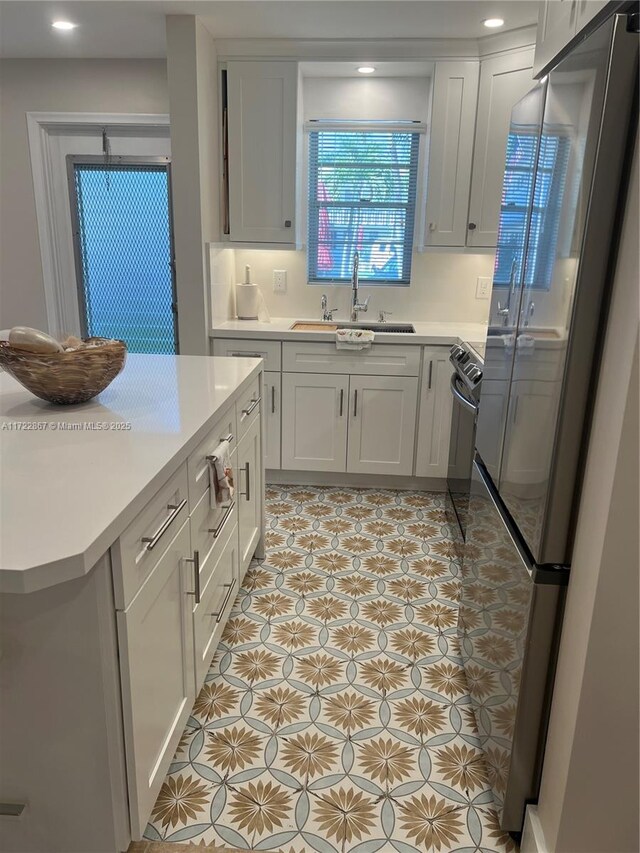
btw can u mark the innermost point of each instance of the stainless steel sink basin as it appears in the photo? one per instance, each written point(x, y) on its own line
point(322, 326)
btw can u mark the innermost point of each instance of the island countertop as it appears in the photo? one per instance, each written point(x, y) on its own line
point(73, 477)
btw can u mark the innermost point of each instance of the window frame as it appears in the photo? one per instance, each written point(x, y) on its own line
point(419, 130)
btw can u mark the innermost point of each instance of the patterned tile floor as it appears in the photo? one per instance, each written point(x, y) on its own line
point(335, 716)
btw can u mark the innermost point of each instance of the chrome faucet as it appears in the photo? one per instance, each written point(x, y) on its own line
point(505, 311)
point(355, 305)
point(327, 313)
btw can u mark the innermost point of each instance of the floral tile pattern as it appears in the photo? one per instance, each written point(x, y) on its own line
point(336, 715)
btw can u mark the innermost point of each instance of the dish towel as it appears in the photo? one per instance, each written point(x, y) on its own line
point(221, 479)
point(354, 338)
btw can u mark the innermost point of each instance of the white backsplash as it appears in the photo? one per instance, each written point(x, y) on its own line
point(443, 287)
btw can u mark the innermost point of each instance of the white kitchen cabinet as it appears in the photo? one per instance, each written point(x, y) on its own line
point(272, 418)
point(453, 116)
point(503, 81)
point(155, 639)
point(382, 424)
point(527, 451)
point(559, 21)
point(434, 428)
point(314, 421)
point(493, 401)
point(250, 487)
point(262, 108)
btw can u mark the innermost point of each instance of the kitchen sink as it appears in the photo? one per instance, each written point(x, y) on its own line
point(325, 326)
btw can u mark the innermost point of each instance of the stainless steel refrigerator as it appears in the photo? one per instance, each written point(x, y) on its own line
point(563, 186)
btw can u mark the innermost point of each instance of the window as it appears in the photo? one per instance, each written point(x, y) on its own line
point(521, 173)
point(362, 196)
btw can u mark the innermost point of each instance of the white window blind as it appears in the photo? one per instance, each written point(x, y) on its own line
point(362, 196)
point(544, 179)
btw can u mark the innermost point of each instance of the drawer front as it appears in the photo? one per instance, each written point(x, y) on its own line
point(216, 601)
point(197, 465)
point(379, 360)
point(247, 406)
point(270, 351)
point(209, 528)
point(143, 543)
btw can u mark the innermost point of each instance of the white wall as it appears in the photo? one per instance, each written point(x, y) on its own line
point(589, 794)
point(75, 85)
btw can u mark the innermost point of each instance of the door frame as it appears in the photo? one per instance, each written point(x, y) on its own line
point(73, 160)
point(61, 316)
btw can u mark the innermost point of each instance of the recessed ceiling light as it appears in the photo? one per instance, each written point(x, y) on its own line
point(366, 69)
point(493, 22)
point(63, 25)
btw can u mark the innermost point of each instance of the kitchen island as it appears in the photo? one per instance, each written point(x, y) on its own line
point(117, 573)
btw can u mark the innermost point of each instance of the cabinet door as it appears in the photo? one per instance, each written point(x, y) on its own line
point(489, 436)
point(155, 639)
point(556, 28)
point(503, 81)
point(434, 428)
point(272, 404)
point(250, 497)
point(382, 424)
point(455, 94)
point(262, 105)
point(314, 421)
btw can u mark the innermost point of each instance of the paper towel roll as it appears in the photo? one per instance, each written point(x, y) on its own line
point(247, 301)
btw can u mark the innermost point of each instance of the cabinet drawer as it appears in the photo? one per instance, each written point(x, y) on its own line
point(197, 466)
point(270, 351)
point(218, 595)
point(146, 539)
point(209, 527)
point(247, 405)
point(379, 360)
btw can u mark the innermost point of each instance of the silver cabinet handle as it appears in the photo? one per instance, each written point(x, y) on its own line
point(247, 354)
point(196, 574)
point(152, 541)
point(430, 373)
point(216, 530)
point(254, 403)
point(247, 494)
point(355, 403)
point(273, 399)
point(341, 401)
point(228, 438)
point(229, 586)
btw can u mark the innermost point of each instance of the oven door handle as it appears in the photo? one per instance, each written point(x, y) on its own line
point(468, 405)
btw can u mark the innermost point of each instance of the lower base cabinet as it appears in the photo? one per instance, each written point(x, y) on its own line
point(155, 638)
point(434, 429)
point(249, 488)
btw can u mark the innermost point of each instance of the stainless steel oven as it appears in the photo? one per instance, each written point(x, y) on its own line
point(465, 389)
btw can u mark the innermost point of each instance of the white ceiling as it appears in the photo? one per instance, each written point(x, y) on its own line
point(136, 28)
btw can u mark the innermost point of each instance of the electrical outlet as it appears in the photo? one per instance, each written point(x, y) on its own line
point(483, 287)
point(280, 281)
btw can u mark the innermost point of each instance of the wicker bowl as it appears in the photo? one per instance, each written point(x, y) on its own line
point(66, 377)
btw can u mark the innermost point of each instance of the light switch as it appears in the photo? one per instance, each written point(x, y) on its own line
point(483, 287)
point(280, 281)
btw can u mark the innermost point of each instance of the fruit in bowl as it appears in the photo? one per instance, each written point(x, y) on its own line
point(64, 373)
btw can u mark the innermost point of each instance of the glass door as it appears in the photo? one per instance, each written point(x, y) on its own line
point(123, 244)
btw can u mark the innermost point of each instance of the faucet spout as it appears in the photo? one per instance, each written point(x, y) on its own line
point(355, 304)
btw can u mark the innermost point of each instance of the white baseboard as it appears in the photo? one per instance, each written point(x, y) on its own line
point(365, 481)
point(532, 836)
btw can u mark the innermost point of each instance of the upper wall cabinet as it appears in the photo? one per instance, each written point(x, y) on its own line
point(262, 105)
point(503, 81)
point(558, 22)
point(453, 117)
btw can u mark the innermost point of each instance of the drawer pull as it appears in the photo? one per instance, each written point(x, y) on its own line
point(216, 530)
point(152, 541)
point(247, 354)
point(229, 587)
point(273, 399)
point(430, 373)
point(341, 400)
point(254, 403)
point(196, 574)
point(228, 438)
point(247, 494)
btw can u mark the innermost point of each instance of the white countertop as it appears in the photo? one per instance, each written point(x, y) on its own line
point(66, 495)
point(280, 328)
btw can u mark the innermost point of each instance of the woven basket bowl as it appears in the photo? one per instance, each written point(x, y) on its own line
point(65, 377)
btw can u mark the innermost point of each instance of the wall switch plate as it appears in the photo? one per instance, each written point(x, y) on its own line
point(280, 281)
point(483, 287)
